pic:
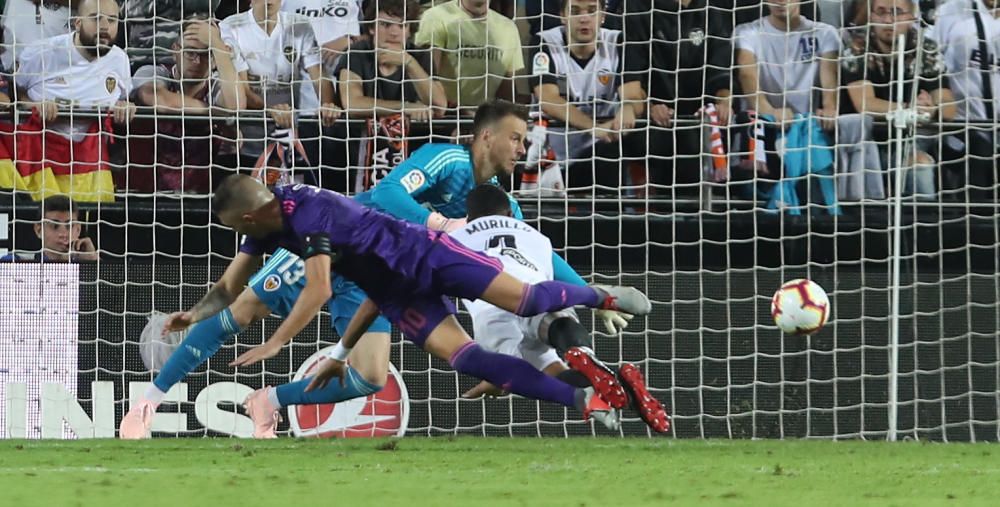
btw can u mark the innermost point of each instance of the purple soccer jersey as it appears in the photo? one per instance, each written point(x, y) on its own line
point(404, 268)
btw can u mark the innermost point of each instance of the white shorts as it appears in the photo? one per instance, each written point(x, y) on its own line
point(503, 332)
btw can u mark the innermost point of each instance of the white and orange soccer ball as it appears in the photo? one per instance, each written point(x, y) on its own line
point(800, 307)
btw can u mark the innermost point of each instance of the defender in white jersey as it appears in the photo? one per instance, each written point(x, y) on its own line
point(527, 255)
point(782, 58)
point(271, 50)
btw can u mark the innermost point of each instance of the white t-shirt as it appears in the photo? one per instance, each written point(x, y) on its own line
point(957, 37)
point(274, 63)
point(24, 24)
point(788, 62)
point(331, 20)
point(54, 69)
point(525, 253)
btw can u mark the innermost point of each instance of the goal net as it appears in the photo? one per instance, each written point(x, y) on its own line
point(769, 141)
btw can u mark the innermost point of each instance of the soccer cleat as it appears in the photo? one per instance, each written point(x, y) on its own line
point(582, 359)
point(624, 299)
point(600, 411)
point(138, 422)
point(265, 416)
point(649, 408)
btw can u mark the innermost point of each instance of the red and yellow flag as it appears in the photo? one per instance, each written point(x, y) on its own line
point(45, 163)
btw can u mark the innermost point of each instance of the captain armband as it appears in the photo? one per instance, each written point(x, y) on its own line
point(316, 244)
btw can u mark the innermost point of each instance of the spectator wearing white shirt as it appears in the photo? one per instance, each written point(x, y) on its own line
point(271, 49)
point(968, 33)
point(82, 69)
point(28, 21)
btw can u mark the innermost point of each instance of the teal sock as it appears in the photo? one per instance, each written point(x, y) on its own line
point(294, 393)
point(202, 341)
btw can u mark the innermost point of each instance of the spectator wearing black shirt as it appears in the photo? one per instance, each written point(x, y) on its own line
point(870, 80)
point(59, 231)
point(689, 61)
point(384, 75)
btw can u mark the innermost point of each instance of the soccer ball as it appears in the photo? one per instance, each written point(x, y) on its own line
point(800, 307)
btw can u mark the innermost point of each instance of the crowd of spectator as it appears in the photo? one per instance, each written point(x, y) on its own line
point(633, 96)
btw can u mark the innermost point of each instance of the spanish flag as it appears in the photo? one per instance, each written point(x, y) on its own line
point(46, 163)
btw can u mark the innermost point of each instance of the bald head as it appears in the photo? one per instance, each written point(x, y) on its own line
point(96, 25)
point(240, 194)
point(246, 205)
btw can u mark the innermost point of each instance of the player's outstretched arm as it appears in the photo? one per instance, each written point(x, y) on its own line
point(221, 295)
point(314, 295)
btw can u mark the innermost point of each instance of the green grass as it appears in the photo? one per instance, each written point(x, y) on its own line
point(494, 471)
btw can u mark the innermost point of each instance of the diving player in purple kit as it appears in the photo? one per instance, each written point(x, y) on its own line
point(408, 273)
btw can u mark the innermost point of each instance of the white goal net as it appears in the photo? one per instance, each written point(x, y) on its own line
point(704, 151)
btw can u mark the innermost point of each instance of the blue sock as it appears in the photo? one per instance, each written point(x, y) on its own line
point(294, 393)
point(551, 296)
point(202, 341)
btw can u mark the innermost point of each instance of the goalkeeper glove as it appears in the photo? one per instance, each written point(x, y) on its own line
point(614, 322)
point(438, 222)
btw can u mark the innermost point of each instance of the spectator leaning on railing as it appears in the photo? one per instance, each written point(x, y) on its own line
point(383, 79)
point(869, 75)
point(580, 78)
point(202, 80)
point(476, 51)
point(271, 49)
point(968, 32)
point(54, 151)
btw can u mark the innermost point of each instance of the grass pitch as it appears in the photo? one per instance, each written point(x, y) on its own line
point(494, 471)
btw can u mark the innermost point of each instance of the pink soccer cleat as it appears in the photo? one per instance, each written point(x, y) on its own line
point(264, 415)
point(138, 422)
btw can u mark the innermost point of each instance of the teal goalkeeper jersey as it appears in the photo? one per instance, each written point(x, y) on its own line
point(437, 177)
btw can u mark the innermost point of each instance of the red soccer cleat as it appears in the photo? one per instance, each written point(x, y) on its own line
point(649, 408)
point(601, 377)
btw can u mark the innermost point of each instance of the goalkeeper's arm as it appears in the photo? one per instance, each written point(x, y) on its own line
point(225, 291)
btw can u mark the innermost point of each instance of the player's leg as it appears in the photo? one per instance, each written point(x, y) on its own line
point(464, 273)
point(430, 324)
point(273, 289)
point(366, 374)
point(563, 331)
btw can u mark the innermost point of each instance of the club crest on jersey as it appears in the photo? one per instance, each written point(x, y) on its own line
point(604, 77)
point(290, 54)
point(271, 283)
point(413, 180)
point(110, 83)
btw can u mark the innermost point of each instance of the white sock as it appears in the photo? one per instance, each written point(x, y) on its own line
point(272, 396)
point(154, 395)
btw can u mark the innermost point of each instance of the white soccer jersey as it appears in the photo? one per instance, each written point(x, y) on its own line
point(331, 20)
point(274, 63)
point(54, 69)
point(526, 254)
point(25, 23)
point(956, 35)
point(788, 62)
point(592, 88)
